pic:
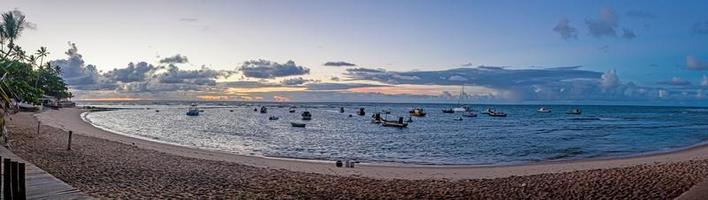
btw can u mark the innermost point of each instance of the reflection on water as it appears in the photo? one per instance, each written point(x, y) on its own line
point(524, 136)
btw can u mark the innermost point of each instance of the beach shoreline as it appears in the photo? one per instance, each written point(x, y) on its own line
point(71, 119)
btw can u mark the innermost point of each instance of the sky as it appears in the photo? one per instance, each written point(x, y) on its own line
point(614, 52)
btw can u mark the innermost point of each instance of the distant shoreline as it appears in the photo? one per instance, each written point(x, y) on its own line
point(70, 119)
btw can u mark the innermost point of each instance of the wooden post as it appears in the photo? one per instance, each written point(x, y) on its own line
point(15, 177)
point(68, 147)
point(38, 123)
point(6, 172)
point(22, 191)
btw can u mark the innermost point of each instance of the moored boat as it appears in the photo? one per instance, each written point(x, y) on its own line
point(306, 115)
point(193, 110)
point(497, 114)
point(295, 124)
point(418, 112)
point(574, 111)
point(376, 118)
point(361, 112)
point(392, 123)
point(448, 110)
point(273, 118)
point(264, 109)
point(341, 109)
point(544, 110)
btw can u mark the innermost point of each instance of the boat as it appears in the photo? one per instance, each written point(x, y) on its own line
point(341, 109)
point(418, 112)
point(193, 110)
point(461, 108)
point(448, 110)
point(497, 114)
point(399, 123)
point(295, 124)
point(273, 118)
point(469, 114)
point(264, 109)
point(376, 118)
point(292, 110)
point(306, 115)
point(361, 112)
point(255, 110)
point(544, 110)
point(574, 111)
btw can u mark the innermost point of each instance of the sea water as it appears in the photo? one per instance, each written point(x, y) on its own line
point(523, 136)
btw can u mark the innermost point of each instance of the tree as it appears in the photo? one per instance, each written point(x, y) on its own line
point(13, 23)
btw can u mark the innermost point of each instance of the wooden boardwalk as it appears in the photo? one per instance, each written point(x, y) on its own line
point(42, 185)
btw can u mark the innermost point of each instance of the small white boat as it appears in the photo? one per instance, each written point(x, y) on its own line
point(544, 110)
point(301, 125)
point(497, 114)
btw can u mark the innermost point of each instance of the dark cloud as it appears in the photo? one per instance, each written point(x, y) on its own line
point(700, 27)
point(268, 70)
point(339, 64)
point(565, 30)
point(79, 75)
point(676, 81)
point(203, 76)
point(641, 14)
point(693, 63)
point(628, 34)
point(132, 73)
point(176, 59)
point(295, 81)
point(605, 25)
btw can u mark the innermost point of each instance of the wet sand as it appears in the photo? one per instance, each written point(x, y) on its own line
point(109, 165)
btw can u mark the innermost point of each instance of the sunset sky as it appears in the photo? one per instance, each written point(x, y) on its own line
point(396, 51)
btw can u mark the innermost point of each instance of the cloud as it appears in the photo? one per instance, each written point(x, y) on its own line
point(132, 73)
point(77, 74)
point(605, 25)
point(295, 81)
point(339, 64)
point(610, 79)
point(176, 59)
point(457, 78)
point(641, 14)
point(267, 70)
point(693, 63)
point(203, 76)
point(565, 30)
point(337, 86)
point(675, 81)
point(334, 78)
point(628, 34)
point(700, 27)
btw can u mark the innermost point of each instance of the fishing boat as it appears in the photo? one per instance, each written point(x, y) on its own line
point(544, 110)
point(295, 124)
point(376, 118)
point(469, 114)
point(361, 112)
point(399, 123)
point(193, 110)
point(448, 110)
point(574, 111)
point(418, 112)
point(306, 115)
point(273, 118)
point(264, 109)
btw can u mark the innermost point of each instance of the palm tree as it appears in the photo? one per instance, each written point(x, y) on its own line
point(13, 23)
point(41, 53)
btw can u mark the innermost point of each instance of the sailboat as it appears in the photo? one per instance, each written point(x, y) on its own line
point(461, 108)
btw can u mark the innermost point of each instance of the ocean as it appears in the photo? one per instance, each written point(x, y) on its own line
point(524, 136)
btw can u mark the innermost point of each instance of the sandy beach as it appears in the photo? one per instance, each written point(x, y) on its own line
point(109, 165)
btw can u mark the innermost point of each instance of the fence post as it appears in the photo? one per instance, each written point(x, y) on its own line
point(13, 169)
point(6, 172)
point(21, 190)
point(68, 147)
point(38, 123)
